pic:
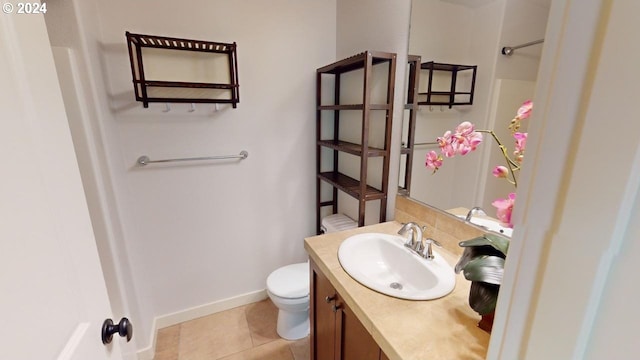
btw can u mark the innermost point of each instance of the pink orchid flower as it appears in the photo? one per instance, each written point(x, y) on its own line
point(521, 144)
point(474, 139)
point(525, 110)
point(446, 144)
point(466, 139)
point(465, 129)
point(521, 141)
point(433, 161)
point(500, 171)
point(504, 208)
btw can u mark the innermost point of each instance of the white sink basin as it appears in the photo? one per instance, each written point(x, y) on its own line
point(491, 225)
point(382, 263)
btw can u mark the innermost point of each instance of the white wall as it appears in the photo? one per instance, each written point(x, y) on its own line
point(194, 234)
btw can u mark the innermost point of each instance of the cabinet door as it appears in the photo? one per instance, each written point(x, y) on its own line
point(355, 341)
point(322, 316)
point(336, 332)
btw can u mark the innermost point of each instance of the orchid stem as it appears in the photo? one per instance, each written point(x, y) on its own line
point(513, 166)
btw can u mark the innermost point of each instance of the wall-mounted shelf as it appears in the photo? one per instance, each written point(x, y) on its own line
point(451, 96)
point(166, 69)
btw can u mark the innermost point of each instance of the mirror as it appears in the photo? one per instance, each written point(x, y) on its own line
point(471, 32)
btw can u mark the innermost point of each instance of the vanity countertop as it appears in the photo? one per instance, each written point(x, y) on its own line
point(444, 328)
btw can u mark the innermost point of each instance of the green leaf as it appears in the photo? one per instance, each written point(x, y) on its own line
point(498, 242)
point(467, 255)
point(483, 297)
point(489, 269)
point(472, 252)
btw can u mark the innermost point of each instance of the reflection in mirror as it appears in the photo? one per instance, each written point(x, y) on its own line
point(471, 32)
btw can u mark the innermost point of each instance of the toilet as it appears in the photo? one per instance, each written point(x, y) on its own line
point(288, 287)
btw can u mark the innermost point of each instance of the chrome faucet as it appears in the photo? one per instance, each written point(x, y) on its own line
point(474, 210)
point(422, 247)
point(415, 241)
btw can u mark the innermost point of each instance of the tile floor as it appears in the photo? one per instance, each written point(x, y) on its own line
point(243, 333)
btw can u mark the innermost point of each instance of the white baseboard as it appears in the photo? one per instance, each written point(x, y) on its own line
point(164, 321)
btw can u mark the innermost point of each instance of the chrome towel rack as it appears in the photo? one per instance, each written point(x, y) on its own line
point(144, 159)
point(508, 50)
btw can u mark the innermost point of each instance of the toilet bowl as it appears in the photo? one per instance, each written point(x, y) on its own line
point(288, 288)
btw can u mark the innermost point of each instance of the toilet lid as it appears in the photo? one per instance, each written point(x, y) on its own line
point(291, 281)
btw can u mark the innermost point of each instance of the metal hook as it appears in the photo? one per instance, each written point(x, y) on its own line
point(215, 107)
point(441, 108)
point(430, 107)
point(193, 107)
point(167, 108)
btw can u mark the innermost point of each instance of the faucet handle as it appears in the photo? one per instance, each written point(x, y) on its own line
point(428, 250)
point(432, 241)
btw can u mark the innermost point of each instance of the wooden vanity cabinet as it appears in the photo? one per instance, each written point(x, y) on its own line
point(336, 333)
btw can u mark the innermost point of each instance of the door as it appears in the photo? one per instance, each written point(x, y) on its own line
point(53, 298)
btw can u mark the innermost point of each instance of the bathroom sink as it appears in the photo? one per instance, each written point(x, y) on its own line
point(382, 263)
point(491, 225)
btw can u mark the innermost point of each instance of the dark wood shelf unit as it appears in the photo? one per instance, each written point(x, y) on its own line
point(351, 186)
point(181, 91)
point(351, 148)
point(355, 62)
point(356, 188)
point(411, 104)
point(452, 94)
point(354, 107)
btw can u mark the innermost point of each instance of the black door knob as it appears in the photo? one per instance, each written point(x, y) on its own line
point(123, 328)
